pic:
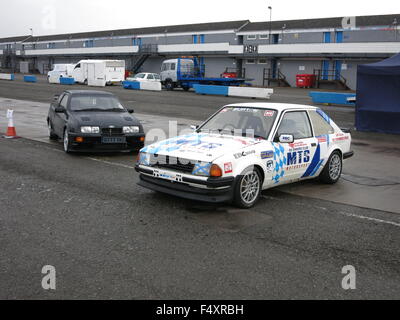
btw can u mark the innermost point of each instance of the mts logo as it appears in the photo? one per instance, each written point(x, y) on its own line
point(298, 157)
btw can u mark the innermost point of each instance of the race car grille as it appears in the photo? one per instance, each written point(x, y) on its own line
point(111, 131)
point(171, 163)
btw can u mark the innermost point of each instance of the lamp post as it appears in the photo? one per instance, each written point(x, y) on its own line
point(270, 23)
point(395, 23)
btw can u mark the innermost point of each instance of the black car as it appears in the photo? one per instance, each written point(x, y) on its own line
point(93, 120)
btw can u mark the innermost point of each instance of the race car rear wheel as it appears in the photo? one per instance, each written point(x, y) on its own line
point(333, 169)
point(248, 188)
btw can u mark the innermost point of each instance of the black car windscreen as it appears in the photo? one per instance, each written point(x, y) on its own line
point(86, 102)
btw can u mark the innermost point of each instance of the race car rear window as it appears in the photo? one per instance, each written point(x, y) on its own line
point(321, 127)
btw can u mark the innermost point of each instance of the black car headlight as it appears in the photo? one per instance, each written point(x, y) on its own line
point(131, 129)
point(89, 129)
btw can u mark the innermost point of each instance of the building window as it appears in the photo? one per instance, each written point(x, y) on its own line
point(88, 44)
point(262, 61)
point(137, 41)
point(251, 61)
point(251, 37)
point(264, 36)
point(51, 45)
point(198, 38)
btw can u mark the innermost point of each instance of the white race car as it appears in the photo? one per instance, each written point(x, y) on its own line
point(243, 149)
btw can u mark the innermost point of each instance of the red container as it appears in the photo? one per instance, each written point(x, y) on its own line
point(305, 80)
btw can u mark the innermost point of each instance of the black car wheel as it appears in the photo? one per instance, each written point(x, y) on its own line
point(248, 188)
point(66, 142)
point(52, 135)
point(333, 169)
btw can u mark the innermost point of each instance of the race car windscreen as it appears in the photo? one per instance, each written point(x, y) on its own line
point(95, 103)
point(243, 121)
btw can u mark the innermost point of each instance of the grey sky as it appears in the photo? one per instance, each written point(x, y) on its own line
point(56, 16)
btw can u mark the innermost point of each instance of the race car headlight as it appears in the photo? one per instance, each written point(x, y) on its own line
point(202, 169)
point(144, 158)
point(131, 129)
point(90, 129)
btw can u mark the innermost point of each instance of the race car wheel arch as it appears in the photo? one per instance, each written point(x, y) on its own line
point(52, 135)
point(248, 187)
point(333, 168)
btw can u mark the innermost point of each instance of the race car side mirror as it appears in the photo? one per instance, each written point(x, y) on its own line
point(131, 110)
point(194, 127)
point(56, 97)
point(286, 138)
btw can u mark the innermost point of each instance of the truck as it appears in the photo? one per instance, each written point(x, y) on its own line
point(185, 72)
point(99, 72)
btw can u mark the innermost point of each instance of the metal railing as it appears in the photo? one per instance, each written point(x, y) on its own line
point(329, 75)
point(148, 48)
point(270, 75)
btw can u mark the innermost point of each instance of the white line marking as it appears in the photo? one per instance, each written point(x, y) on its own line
point(111, 163)
point(370, 219)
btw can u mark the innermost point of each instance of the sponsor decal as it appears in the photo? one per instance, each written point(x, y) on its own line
point(269, 113)
point(298, 157)
point(243, 154)
point(228, 167)
point(341, 137)
point(270, 166)
point(245, 110)
point(267, 154)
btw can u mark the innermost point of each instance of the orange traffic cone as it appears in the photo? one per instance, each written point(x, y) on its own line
point(11, 132)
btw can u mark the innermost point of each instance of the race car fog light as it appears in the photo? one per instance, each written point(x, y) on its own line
point(215, 171)
point(90, 129)
point(131, 129)
point(142, 139)
point(79, 139)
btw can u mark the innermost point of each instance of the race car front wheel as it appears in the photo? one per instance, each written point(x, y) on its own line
point(333, 169)
point(248, 188)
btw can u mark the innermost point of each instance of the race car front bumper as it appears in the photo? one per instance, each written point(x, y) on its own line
point(213, 190)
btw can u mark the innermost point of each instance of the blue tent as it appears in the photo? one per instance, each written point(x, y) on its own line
point(378, 96)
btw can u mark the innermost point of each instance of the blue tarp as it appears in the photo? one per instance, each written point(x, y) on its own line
point(378, 96)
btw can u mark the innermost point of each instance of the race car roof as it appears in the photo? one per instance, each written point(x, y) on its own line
point(276, 106)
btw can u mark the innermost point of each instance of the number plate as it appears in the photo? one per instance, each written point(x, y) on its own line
point(113, 140)
point(167, 175)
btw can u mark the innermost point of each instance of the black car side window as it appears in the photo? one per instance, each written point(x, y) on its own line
point(64, 101)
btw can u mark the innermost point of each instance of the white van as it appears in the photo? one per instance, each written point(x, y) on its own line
point(99, 72)
point(60, 70)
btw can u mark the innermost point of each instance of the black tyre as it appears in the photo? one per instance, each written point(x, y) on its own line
point(66, 142)
point(248, 188)
point(169, 85)
point(333, 169)
point(52, 135)
point(185, 88)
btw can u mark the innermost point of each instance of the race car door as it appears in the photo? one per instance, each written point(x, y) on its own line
point(293, 160)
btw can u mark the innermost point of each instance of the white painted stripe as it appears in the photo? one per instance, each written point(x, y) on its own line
point(367, 47)
point(93, 50)
point(116, 164)
point(396, 224)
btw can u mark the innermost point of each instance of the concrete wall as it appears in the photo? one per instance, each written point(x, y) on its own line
point(291, 68)
point(215, 66)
